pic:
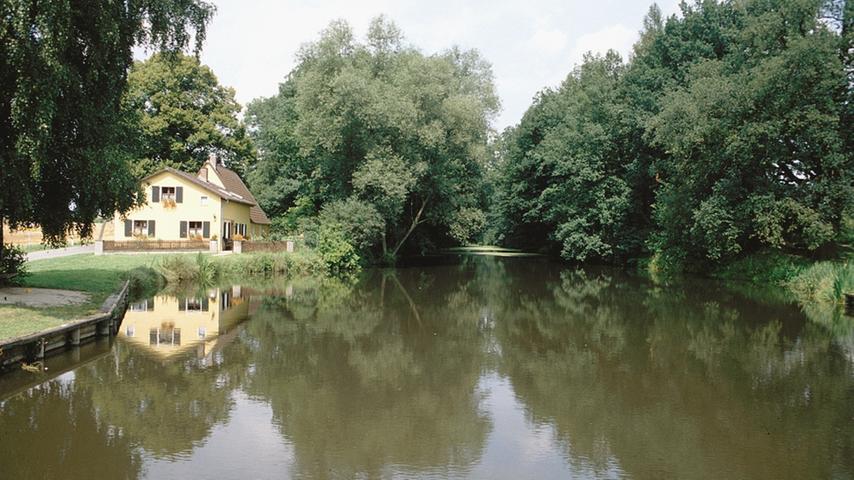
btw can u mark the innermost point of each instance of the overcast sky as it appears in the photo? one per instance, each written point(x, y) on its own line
point(531, 44)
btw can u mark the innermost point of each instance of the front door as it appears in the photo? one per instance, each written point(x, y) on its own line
point(226, 235)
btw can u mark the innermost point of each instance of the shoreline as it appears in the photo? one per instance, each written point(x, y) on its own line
point(35, 347)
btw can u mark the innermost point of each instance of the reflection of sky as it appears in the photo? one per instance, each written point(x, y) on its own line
point(516, 449)
point(249, 433)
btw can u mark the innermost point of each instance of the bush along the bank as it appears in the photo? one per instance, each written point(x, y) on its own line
point(13, 266)
point(332, 257)
point(143, 281)
point(823, 282)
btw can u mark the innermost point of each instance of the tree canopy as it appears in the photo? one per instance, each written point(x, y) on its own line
point(728, 131)
point(381, 130)
point(63, 72)
point(183, 115)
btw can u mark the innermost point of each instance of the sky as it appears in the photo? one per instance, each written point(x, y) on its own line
point(532, 44)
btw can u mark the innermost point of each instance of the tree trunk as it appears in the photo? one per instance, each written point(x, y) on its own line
point(2, 244)
point(415, 223)
point(385, 245)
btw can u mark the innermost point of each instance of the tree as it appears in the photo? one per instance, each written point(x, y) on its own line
point(183, 115)
point(573, 154)
point(756, 140)
point(727, 132)
point(384, 124)
point(63, 71)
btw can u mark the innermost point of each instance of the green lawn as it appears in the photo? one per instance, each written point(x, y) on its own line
point(100, 276)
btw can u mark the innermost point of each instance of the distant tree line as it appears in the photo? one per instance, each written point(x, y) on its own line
point(729, 130)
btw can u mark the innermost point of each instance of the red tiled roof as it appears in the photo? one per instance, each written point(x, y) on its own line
point(234, 184)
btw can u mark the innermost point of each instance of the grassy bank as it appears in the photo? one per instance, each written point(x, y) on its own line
point(99, 277)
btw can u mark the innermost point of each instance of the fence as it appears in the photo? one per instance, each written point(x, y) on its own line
point(155, 245)
point(278, 246)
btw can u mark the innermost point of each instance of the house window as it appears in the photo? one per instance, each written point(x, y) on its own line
point(193, 305)
point(204, 201)
point(167, 193)
point(202, 333)
point(165, 336)
point(146, 305)
point(140, 228)
point(194, 229)
point(130, 331)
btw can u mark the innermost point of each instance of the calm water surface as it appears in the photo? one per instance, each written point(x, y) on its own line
point(492, 368)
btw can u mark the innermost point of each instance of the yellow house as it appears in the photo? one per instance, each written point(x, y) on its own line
point(211, 205)
point(168, 325)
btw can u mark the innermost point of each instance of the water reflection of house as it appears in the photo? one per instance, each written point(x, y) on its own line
point(170, 325)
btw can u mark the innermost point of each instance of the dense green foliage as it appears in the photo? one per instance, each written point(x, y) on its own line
point(182, 114)
point(726, 133)
point(379, 130)
point(12, 264)
point(63, 71)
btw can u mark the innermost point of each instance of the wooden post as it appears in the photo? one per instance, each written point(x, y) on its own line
point(40, 349)
point(75, 337)
point(103, 327)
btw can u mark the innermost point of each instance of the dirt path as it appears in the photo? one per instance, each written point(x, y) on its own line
point(41, 297)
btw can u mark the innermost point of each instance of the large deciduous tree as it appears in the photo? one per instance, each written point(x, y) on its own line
point(63, 71)
point(382, 124)
point(729, 131)
point(183, 114)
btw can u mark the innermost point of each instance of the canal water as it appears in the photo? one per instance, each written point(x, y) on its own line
point(490, 368)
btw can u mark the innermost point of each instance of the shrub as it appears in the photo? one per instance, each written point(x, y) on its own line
point(824, 282)
point(13, 264)
point(144, 280)
point(338, 255)
point(358, 221)
point(178, 269)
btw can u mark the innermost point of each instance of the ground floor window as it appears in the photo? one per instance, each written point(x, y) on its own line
point(164, 336)
point(195, 229)
point(193, 305)
point(140, 228)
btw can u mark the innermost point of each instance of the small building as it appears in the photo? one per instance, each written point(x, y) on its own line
point(214, 204)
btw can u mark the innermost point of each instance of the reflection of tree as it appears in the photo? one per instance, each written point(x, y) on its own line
point(369, 375)
point(54, 431)
point(682, 382)
point(167, 406)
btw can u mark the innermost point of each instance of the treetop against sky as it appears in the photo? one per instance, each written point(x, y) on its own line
point(252, 45)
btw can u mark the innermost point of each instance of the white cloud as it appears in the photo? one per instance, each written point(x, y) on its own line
point(548, 41)
point(615, 37)
point(251, 44)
